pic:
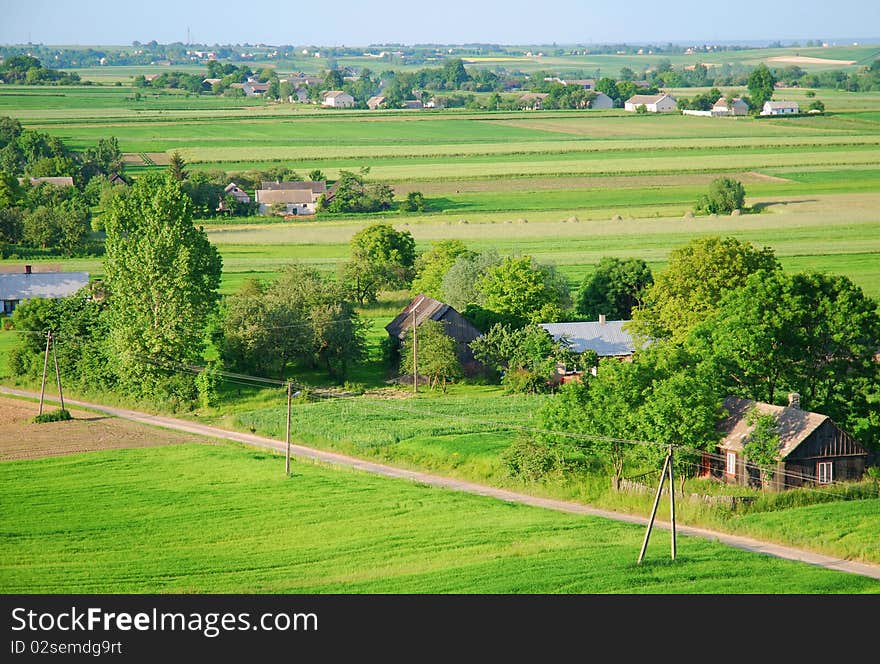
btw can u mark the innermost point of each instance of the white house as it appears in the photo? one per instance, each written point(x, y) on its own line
point(300, 197)
point(16, 287)
point(532, 101)
point(601, 101)
point(377, 101)
point(338, 99)
point(661, 103)
point(780, 108)
point(735, 106)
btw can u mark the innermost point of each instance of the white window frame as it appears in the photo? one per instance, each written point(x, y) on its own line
point(825, 472)
point(730, 467)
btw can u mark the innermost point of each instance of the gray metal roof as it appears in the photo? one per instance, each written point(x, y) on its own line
point(22, 286)
point(608, 339)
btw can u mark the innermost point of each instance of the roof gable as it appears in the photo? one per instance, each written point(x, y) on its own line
point(608, 339)
point(23, 286)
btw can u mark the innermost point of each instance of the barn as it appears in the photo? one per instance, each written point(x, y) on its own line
point(812, 448)
point(458, 327)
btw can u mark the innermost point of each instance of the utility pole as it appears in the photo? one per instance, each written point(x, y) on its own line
point(287, 460)
point(45, 366)
point(57, 373)
point(667, 470)
point(672, 498)
point(415, 354)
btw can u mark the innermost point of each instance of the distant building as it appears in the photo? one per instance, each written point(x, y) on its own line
point(299, 96)
point(297, 197)
point(17, 287)
point(606, 337)
point(780, 108)
point(735, 106)
point(585, 83)
point(532, 101)
point(423, 308)
point(65, 181)
point(660, 103)
point(338, 99)
point(601, 101)
point(413, 103)
point(376, 102)
point(237, 192)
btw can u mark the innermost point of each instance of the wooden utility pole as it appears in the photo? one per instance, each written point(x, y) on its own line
point(45, 366)
point(663, 474)
point(415, 354)
point(287, 460)
point(672, 498)
point(57, 373)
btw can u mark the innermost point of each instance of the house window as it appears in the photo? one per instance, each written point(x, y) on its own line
point(824, 472)
point(731, 463)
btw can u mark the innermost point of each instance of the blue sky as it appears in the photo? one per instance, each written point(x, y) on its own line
point(362, 22)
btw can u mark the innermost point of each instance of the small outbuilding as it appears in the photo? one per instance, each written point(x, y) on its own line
point(18, 287)
point(458, 327)
point(780, 108)
point(661, 103)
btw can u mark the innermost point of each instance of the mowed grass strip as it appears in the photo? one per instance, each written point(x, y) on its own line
point(225, 519)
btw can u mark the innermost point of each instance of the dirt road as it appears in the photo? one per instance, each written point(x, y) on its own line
point(745, 543)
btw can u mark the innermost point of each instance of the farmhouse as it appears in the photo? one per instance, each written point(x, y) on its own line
point(16, 287)
point(458, 327)
point(661, 103)
point(735, 106)
point(54, 181)
point(237, 192)
point(376, 102)
point(294, 201)
point(338, 99)
point(585, 83)
point(413, 103)
point(780, 108)
point(299, 96)
point(532, 101)
point(601, 101)
point(812, 448)
point(606, 337)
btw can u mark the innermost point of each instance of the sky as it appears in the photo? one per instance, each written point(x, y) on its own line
point(364, 22)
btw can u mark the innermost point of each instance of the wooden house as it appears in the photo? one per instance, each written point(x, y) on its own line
point(812, 448)
point(458, 327)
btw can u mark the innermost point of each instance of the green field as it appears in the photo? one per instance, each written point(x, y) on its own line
point(122, 522)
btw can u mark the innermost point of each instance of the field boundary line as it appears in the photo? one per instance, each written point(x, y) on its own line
point(343, 460)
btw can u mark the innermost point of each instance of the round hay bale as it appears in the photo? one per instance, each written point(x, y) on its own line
point(463, 221)
point(522, 220)
point(735, 213)
point(688, 215)
point(574, 220)
point(616, 217)
point(508, 221)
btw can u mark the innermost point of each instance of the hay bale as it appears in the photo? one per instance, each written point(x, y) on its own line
point(688, 215)
point(735, 213)
point(463, 221)
point(522, 220)
point(574, 220)
point(508, 221)
point(616, 217)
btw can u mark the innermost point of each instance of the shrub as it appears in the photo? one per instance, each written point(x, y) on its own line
point(529, 460)
point(523, 381)
point(725, 195)
point(60, 415)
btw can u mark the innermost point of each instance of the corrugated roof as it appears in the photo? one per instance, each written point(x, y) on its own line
point(646, 99)
point(21, 286)
point(317, 186)
point(781, 104)
point(608, 339)
point(795, 425)
point(269, 196)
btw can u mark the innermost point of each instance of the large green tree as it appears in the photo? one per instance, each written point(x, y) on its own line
point(459, 286)
point(436, 354)
point(163, 274)
point(724, 196)
point(614, 289)
point(432, 265)
point(521, 290)
point(689, 289)
point(381, 258)
point(761, 84)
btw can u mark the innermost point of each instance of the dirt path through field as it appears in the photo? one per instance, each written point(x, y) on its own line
point(745, 543)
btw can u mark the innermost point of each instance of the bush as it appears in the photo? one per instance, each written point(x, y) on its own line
point(523, 381)
point(529, 460)
point(725, 195)
point(60, 415)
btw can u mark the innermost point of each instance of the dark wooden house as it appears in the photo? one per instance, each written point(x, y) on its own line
point(812, 448)
point(458, 327)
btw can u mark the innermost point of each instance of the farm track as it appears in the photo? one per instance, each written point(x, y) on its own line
point(745, 543)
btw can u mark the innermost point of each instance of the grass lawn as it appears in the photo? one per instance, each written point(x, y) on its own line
point(123, 522)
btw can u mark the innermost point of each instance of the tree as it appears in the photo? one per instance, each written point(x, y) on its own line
point(381, 258)
point(522, 290)
point(437, 356)
point(817, 105)
point(761, 84)
point(352, 194)
point(459, 286)
point(689, 289)
point(176, 166)
point(810, 333)
point(431, 267)
point(317, 175)
point(163, 274)
point(725, 195)
point(614, 289)
point(415, 202)
point(609, 87)
point(762, 445)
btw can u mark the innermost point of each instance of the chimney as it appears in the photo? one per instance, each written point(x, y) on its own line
point(601, 319)
point(27, 269)
point(794, 400)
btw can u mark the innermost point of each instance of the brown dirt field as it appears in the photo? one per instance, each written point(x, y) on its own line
point(806, 60)
point(86, 432)
point(764, 176)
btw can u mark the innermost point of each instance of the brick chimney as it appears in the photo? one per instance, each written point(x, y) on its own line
point(794, 400)
point(601, 319)
point(27, 269)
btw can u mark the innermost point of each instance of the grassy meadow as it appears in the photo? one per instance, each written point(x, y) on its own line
point(121, 521)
